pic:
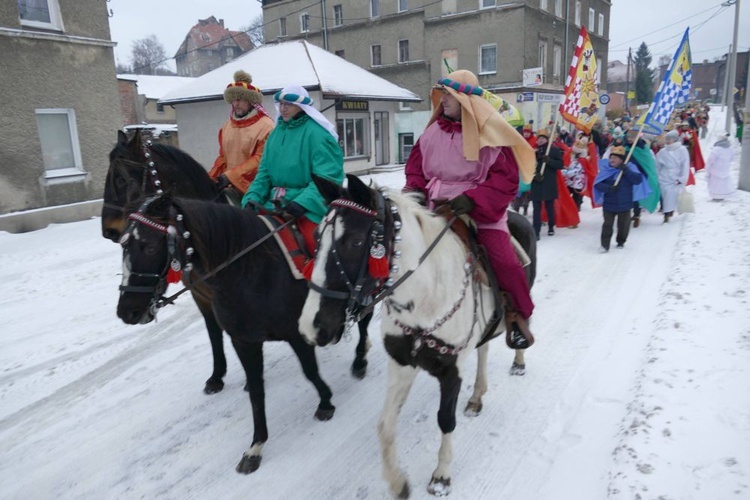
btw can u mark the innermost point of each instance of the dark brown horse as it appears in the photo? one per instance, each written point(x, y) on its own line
point(254, 296)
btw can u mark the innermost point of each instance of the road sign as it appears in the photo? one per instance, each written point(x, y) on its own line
point(604, 99)
point(525, 97)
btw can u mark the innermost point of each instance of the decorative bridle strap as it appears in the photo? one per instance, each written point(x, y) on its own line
point(138, 217)
point(344, 203)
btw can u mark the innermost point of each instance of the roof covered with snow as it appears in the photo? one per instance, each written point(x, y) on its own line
point(156, 86)
point(297, 62)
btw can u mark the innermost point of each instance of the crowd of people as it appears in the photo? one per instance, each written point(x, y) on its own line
point(621, 170)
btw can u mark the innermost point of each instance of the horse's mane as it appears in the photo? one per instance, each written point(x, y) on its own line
point(219, 231)
point(187, 167)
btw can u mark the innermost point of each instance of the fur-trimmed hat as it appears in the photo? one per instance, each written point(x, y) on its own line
point(242, 88)
point(618, 151)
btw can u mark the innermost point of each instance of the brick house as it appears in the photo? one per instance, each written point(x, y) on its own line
point(209, 45)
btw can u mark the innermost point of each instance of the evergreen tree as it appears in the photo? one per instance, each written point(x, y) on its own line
point(644, 76)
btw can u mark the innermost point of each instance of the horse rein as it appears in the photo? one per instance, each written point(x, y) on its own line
point(172, 232)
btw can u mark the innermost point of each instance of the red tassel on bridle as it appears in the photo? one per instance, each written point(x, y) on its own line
point(174, 275)
point(377, 263)
point(307, 269)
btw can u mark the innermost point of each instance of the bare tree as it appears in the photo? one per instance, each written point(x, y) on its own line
point(147, 55)
point(255, 30)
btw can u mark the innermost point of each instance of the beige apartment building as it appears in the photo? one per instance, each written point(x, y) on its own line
point(409, 42)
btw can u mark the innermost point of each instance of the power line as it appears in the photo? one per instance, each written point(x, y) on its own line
point(665, 27)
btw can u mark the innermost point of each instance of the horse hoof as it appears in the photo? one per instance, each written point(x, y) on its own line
point(473, 409)
point(213, 386)
point(359, 371)
point(249, 464)
point(404, 493)
point(518, 370)
point(439, 486)
point(324, 414)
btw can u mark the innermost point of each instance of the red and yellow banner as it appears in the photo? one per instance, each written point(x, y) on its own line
point(581, 104)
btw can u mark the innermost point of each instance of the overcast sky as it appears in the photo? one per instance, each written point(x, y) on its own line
point(659, 23)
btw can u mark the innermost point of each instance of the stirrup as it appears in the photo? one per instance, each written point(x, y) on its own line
point(517, 333)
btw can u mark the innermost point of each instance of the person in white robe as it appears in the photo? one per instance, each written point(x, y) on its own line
point(719, 179)
point(673, 168)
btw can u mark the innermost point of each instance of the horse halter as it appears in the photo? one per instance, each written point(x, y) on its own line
point(358, 298)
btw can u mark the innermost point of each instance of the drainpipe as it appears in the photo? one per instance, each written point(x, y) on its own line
point(325, 24)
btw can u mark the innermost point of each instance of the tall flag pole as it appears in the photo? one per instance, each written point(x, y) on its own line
point(581, 104)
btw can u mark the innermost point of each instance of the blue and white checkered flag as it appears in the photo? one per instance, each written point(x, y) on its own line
point(674, 89)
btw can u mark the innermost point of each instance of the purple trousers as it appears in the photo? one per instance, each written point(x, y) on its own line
point(510, 274)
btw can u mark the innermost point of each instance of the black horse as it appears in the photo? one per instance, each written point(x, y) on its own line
point(130, 179)
point(255, 298)
point(132, 176)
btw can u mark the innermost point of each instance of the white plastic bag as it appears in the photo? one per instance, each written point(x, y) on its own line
point(685, 204)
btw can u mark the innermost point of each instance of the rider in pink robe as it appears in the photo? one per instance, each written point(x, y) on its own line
point(439, 168)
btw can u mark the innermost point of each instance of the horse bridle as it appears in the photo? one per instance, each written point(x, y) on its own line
point(359, 303)
point(159, 280)
point(358, 299)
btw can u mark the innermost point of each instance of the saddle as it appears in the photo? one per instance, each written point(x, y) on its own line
point(517, 333)
point(293, 243)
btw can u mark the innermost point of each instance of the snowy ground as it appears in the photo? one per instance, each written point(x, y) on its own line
point(638, 386)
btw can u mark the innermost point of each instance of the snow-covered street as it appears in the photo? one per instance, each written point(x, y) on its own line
point(638, 385)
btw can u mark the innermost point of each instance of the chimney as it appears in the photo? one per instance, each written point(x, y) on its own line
point(221, 21)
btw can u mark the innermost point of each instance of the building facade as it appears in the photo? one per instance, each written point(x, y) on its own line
point(412, 44)
point(209, 45)
point(59, 101)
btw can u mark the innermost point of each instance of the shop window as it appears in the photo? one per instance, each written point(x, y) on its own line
point(353, 136)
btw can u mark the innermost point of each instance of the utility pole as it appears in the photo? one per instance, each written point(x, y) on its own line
point(732, 73)
point(627, 84)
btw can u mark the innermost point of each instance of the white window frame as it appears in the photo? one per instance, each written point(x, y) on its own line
point(374, 8)
point(487, 4)
point(282, 26)
point(578, 14)
point(400, 60)
point(556, 60)
point(558, 8)
point(543, 5)
point(372, 54)
point(403, 5)
point(600, 28)
point(543, 55)
point(77, 167)
point(338, 15)
point(482, 48)
point(55, 19)
point(592, 20)
point(304, 22)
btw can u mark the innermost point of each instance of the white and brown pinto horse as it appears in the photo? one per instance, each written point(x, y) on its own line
point(435, 310)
